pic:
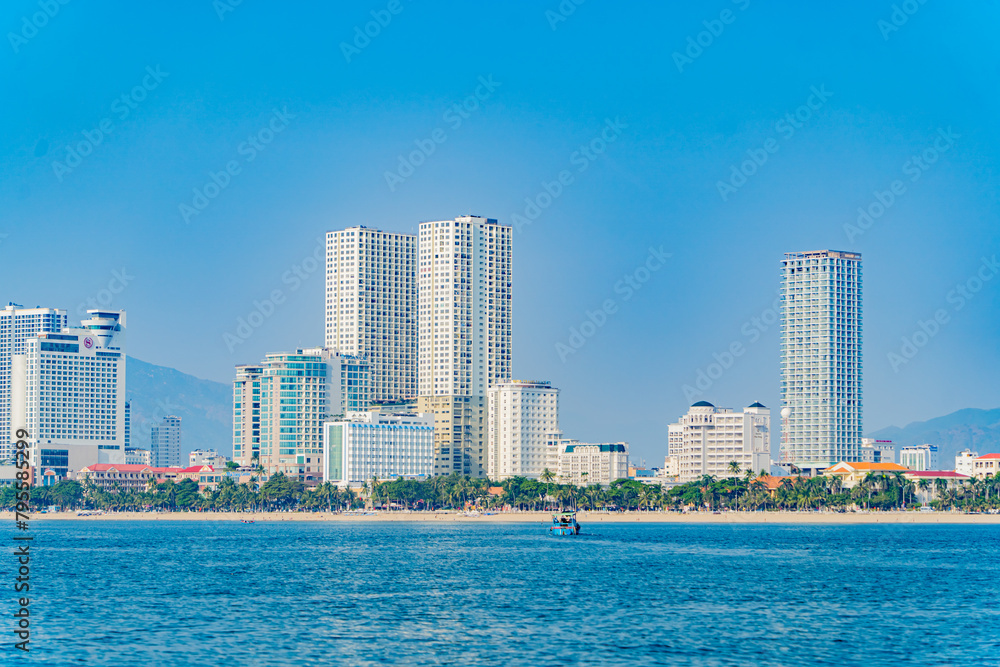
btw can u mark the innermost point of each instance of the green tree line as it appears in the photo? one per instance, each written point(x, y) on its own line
point(746, 492)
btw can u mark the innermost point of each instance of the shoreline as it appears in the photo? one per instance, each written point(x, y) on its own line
point(830, 518)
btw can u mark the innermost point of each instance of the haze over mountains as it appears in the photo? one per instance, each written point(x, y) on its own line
point(972, 428)
point(205, 408)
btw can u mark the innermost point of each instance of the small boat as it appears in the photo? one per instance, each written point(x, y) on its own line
point(247, 520)
point(564, 523)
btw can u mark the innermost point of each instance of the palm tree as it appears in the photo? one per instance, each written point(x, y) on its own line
point(547, 476)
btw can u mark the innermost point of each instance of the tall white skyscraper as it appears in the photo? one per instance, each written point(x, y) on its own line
point(465, 333)
point(17, 324)
point(371, 306)
point(821, 374)
point(68, 391)
point(523, 416)
point(165, 442)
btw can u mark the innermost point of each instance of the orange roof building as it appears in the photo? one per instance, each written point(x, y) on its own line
point(853, 472)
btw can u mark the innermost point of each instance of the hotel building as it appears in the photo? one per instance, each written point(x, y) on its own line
point(877, 451)
point(821, 376)
point(585, 463)
point(68, 390)
point(465, 333)
point(383, 446)
point(713, 438)
point(18, 324)
point(165, 442)
point(295, 393)
point(371, 306)
point(521, 416)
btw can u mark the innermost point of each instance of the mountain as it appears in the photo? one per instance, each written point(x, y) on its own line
point(971, 428)
point(205, 407)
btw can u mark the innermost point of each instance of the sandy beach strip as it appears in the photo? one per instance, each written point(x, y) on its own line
point(542, 517)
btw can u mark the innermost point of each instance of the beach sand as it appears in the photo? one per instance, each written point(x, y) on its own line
point(542, 517)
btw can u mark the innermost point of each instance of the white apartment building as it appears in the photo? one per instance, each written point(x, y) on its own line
point(919, 457)
point(964, 462)
point(280, 405)
point(165, 442)
point(675, 438)
point(585, 463)
point(671, 466)
point(68, 392)
point(877, 451)
point(141, 457)
point(246, 415)
point(714, 437)
point(521, 415)
point(821, 378)
point(464, 282)
point(371, 306)
point(383, 446)
point(18, 324)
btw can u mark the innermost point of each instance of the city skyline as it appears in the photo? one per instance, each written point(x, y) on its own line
point(808, 155)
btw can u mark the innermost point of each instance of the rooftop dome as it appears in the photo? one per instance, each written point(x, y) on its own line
point(702, 404)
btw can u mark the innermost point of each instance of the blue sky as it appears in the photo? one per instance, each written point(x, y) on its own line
point(681, 125)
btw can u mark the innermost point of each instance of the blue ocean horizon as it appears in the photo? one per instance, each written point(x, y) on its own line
point(282, 593)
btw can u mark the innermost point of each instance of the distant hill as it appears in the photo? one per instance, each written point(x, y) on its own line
point(205, 407)
point(972, 428)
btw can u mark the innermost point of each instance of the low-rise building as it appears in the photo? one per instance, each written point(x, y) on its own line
point(928, 491)
point(585, 463)
point(383, 446)
point(140, 457)
point(126, 477)
point(8, 475)
point(987, 464)
point(919, 457)
point(851, 473)
point(208, 457)
point(206, 476)
point(964, 462)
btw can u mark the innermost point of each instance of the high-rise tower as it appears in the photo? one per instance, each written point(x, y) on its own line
point(821, 375)
point(465, 333)
point(371, 306)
